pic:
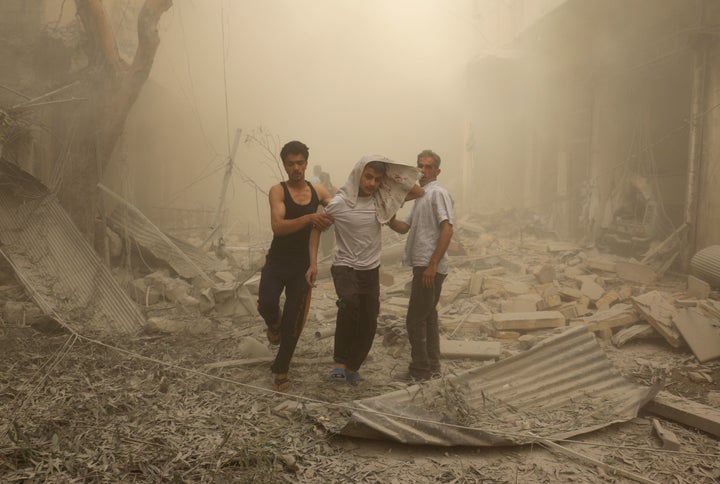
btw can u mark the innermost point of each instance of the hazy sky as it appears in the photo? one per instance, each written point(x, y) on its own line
point(346, 77)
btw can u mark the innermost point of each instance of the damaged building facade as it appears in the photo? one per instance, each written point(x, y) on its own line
point(603, 117)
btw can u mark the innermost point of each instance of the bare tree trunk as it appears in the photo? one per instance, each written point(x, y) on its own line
point(113, 86)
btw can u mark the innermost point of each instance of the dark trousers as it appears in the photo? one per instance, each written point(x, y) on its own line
point(422, 325)
point(358, 305)
point(275, 277)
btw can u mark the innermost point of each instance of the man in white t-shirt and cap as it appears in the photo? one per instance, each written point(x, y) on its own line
point(430, 223)
point(374, 191)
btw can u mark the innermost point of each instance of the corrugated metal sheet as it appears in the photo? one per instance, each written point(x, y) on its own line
point(562, 387)
point(55, 263)
point(705, 265)
point(186, 260)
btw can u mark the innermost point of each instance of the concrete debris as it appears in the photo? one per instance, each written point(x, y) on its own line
point(636, 272)
point(169, 326)
point(697, 288)
point(590, 288)
point(618, 316)
point(632, 332)
point(476, 350)
point(521, 304)
point(544, 273)
point(686, 412)
point(668, 438)
point(528, 320)
point(698, 330)
point(660, 313)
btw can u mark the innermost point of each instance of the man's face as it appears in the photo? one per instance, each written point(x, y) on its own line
point(430, 172)
point(369, 182)
point(295, 166)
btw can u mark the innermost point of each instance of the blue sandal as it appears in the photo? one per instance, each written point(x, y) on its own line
point(353, 377)
point(338, 375)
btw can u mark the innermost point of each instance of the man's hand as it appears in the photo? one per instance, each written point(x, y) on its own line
point(321, 221)
point(429, 276)
point(311, 275)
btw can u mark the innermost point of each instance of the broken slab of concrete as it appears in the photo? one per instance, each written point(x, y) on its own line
point(636, 272)
point(549, 302)
point(521, 304)
point(659, 312)
point(697, 288)
point(473, 324)
point(632, 332)
point(607, 300)
point(600, 263)
point(559, 246)
point(590, 288)
point(668, 437)
point(618, 315)
point(699, 333)
point(686, 412)
point(528, 320)
point(569, 293)
point(544, 273)
point(475, 284)
point(477, 350)
point(505, 286)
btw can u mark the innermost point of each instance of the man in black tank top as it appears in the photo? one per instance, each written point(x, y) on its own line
point(293, 214)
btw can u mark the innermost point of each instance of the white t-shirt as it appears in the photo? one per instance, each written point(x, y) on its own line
point(357, 233)
point(425, 217)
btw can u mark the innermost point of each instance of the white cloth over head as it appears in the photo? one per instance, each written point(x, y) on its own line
point(396, 183)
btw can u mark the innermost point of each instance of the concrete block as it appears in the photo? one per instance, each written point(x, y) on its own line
point(477, 350)
point(608, 299)
point(549, 302)
point(636, 272)
point(600, 263)
point(520, 304)
point(697, 288)
point(528, 320)
point(544, 273)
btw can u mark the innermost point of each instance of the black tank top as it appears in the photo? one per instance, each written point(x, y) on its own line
point(293, 248)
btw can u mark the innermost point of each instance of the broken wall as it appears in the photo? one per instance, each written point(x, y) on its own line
point(708, 217)
point(604, 95)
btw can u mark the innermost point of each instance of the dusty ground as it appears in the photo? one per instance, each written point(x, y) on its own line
point(146, 408)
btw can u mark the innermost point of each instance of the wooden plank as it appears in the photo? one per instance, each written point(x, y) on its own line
point(699, 333)
point(477, 350)
point(528, 320)
point(686, 412)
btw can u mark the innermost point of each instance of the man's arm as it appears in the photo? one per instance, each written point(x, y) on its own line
point(446, 233)
point(415, 192)
point(281, 226)
point(398, 225)
point(311, 274)
point(323, 194)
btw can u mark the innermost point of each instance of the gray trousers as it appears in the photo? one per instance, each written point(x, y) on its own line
point(422, 325)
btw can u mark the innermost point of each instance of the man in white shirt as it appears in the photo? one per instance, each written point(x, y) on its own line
point(430, 223)
point(374, 191)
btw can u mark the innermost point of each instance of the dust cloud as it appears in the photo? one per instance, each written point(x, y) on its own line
point(347, 78)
